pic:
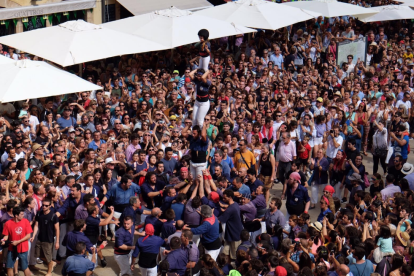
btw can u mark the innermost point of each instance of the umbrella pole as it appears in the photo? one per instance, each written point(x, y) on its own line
point(80, 70)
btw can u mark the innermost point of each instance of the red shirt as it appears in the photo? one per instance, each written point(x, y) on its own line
point(17, 231)
point(305, 154)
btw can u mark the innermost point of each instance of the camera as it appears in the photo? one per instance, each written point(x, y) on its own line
point(331, 131)
point(377, 203)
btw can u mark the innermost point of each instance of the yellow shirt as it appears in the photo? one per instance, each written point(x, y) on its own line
point(406, 55)
point(248, 157)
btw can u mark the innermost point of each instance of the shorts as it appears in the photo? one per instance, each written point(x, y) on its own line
point(230, 248)
point(12, 257)
point(304, 162)
point(46, 248)
point(266, 180)
point(317, 141)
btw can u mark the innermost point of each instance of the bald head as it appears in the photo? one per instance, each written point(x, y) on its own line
point(343, 270)
point(156, 212)
point(179, 224)
point(242, 172)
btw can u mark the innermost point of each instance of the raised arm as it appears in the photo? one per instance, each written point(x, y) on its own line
point(193, 195)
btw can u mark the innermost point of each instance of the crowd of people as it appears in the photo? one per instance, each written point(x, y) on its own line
point(171, 163)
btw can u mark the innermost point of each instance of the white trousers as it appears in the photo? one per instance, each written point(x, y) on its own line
point(124, 263)
point(197, 169)
point(338, 190)
point(32, 248)
point(63, 229)
point(213, 253)
point(316, 189)
point(203, 63)
point(199, 112)
point(96, 255)
point(112, 226)
point(148, 271)
point(196, 239)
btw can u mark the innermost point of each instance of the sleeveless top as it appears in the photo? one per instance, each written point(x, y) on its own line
point(360, 119)
point(202, 90)
point(266, 165)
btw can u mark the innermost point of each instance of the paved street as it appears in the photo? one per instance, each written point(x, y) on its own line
point(276, 191)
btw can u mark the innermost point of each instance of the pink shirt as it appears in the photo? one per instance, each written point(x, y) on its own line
point(287, 152)
point(130, 151)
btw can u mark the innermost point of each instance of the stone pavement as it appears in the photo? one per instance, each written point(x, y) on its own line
point(113, 270)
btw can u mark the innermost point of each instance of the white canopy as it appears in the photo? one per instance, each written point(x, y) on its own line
point(174, 27)
point(259, 14)
point(5, 60)
point(137, 7)
point(27, 79)
point(408, 3)
point(330, 8)
point(389, 12)
point(76, 42)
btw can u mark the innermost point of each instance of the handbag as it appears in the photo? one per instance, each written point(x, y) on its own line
point(381, 152)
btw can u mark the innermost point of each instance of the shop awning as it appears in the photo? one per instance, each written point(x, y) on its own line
point(137, 7)
point(72, 5)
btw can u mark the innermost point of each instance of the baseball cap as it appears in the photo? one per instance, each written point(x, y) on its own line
point(173, 117)
point(176, 72)
point(280, 271)
point(109, 160)
point(319, 99)
point(214, 197)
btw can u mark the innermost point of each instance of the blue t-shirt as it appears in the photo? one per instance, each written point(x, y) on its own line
point(63, 123)
point(385, 245)
point(404, 226)
point(364, 269)
point(178, 210)
point(402, 150)
point(169, 165)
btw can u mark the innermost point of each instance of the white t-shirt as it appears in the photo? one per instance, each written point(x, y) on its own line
point(407, 104)
point(331, 151)
point(33, 120)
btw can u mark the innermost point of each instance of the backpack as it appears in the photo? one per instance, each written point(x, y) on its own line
point(384, 267)
point(366, 181)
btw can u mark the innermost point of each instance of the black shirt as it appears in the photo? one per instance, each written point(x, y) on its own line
point(396, 173)
point(351, 154)
point(46, 224)
point(41, 141)
point(92, 228)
